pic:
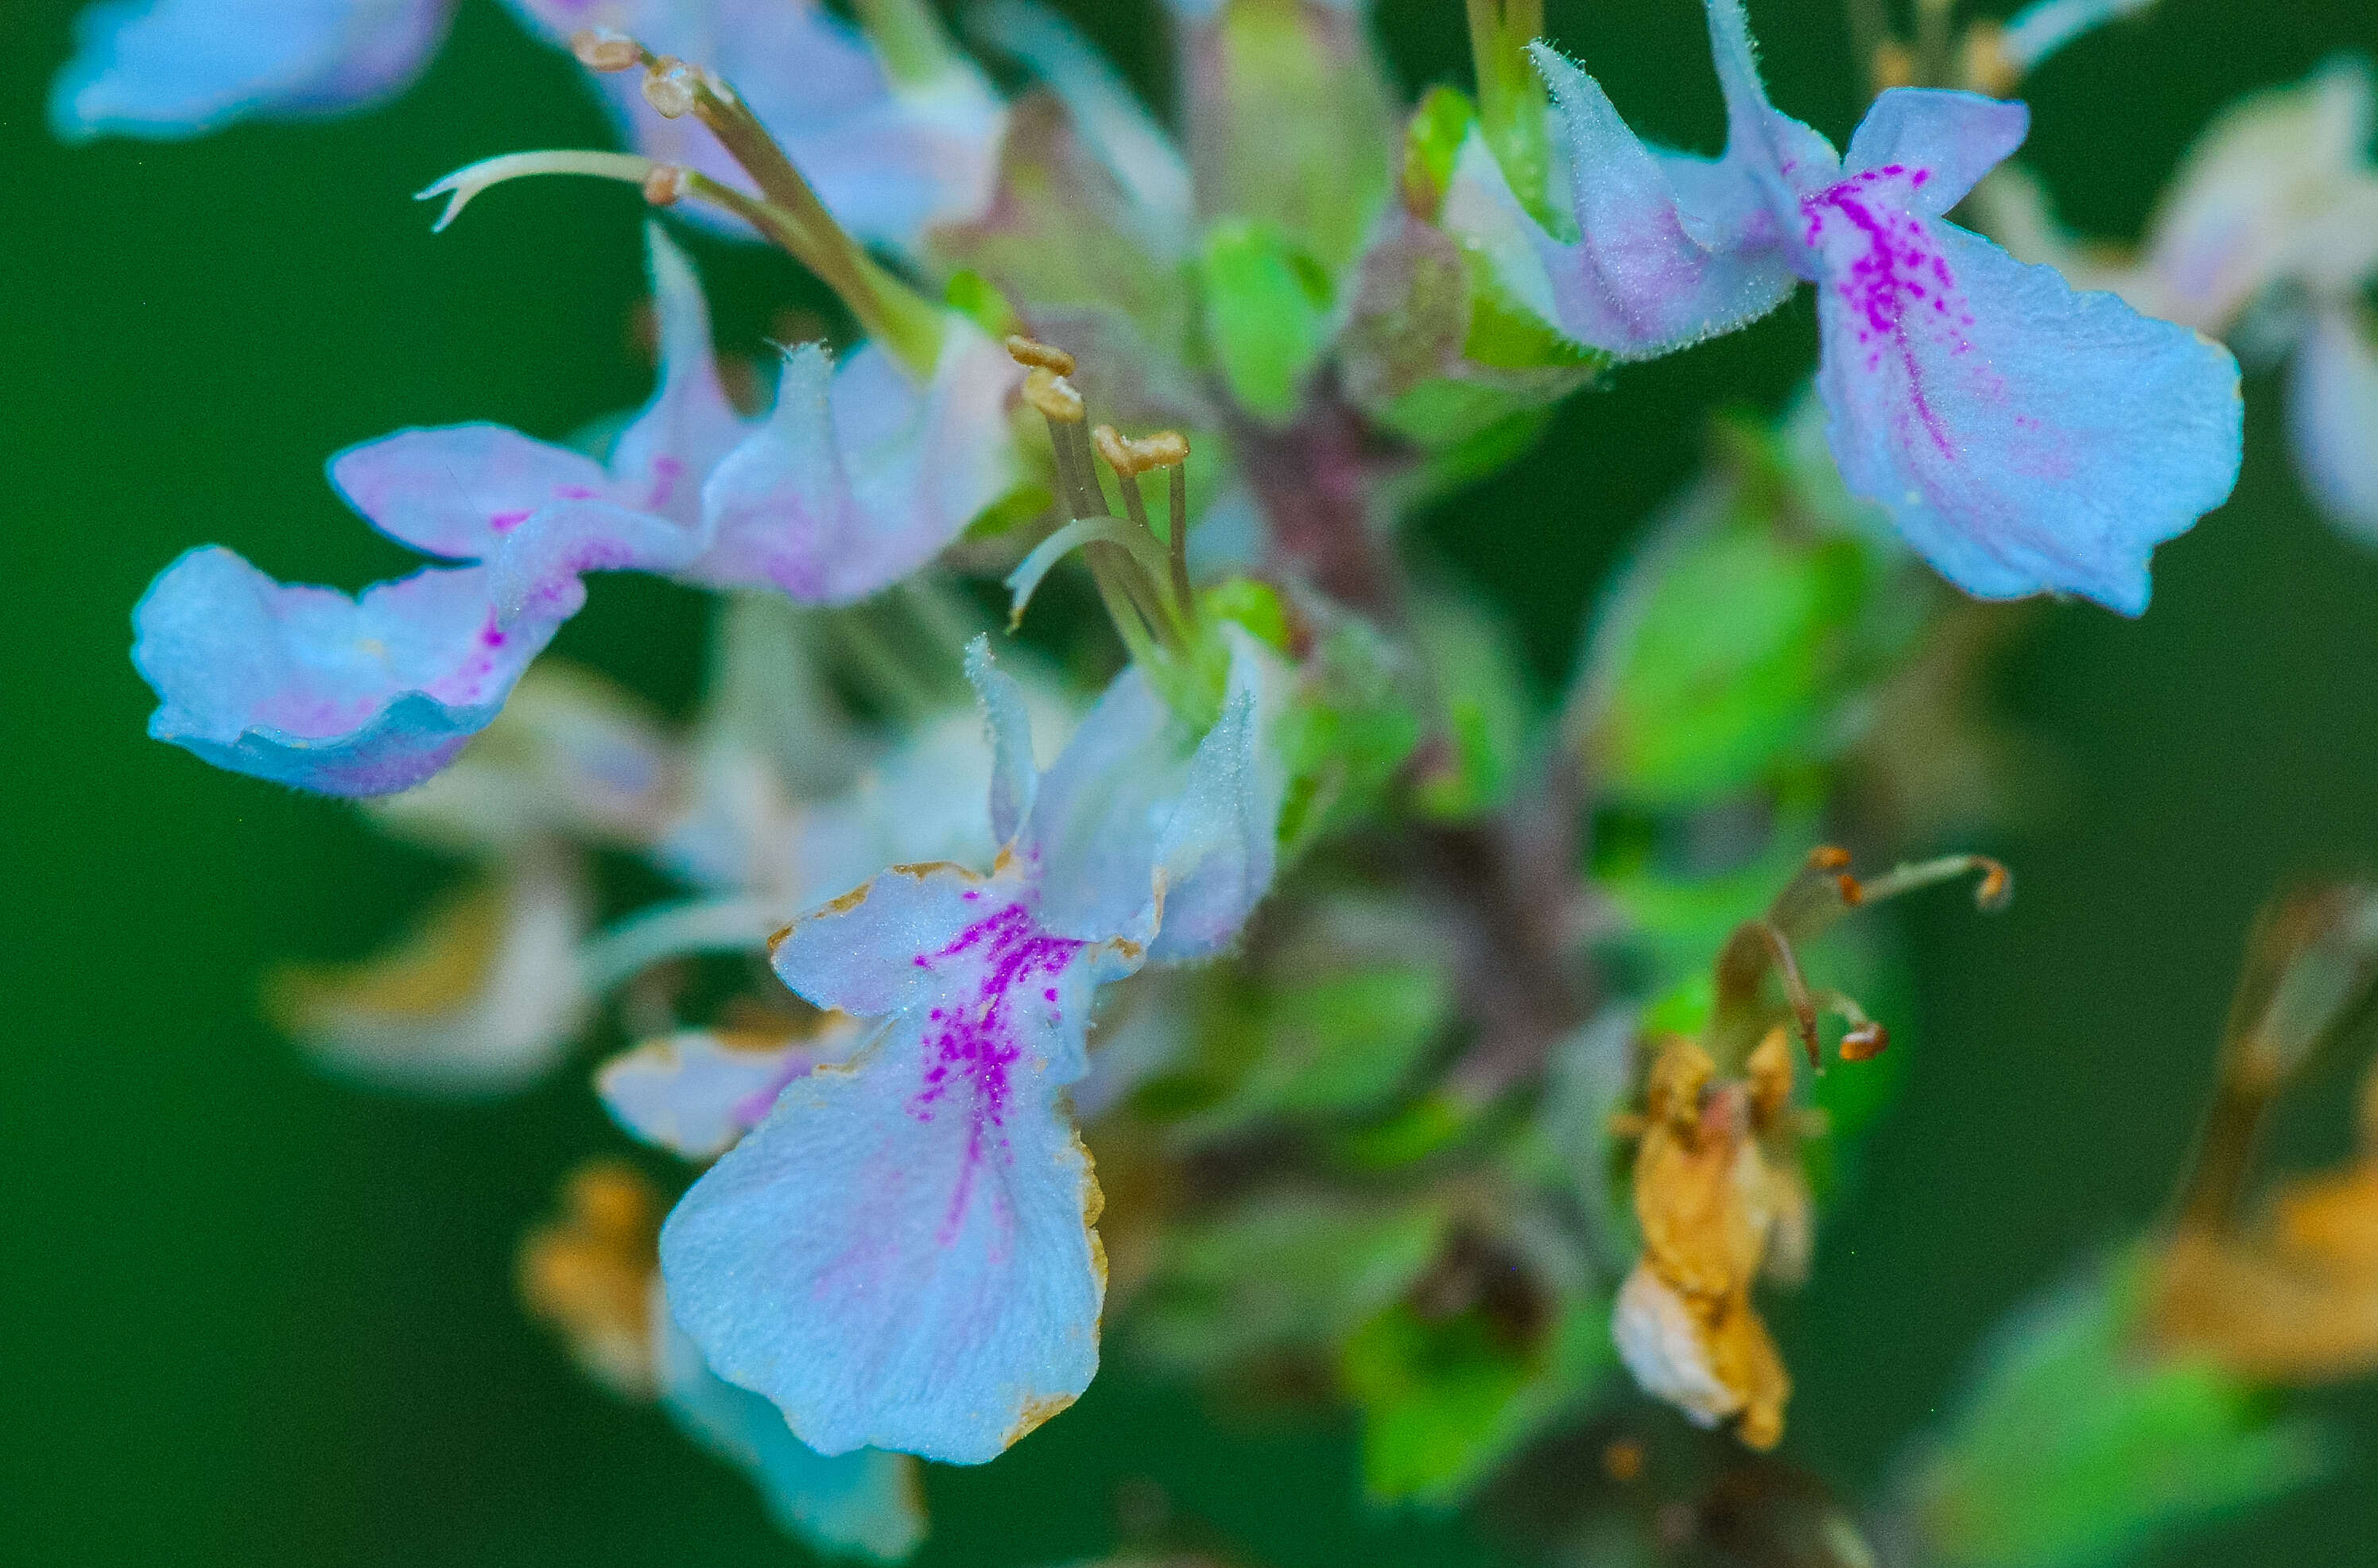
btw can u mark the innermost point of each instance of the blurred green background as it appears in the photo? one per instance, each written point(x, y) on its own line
point(253, 1318)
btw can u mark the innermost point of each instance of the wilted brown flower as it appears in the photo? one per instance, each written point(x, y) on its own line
point(589, 1274)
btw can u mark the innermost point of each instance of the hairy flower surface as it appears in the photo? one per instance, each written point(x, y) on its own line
point(901, 1254)
point(2023, 438)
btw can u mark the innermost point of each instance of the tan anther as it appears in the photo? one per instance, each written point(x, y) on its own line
point(605, 49)
point(1052, 394)
point(1829, 857)
point(1997, 886)
point(1622, 1460)
point(1865, 1043)
point(666, 184)
point(1165, 449)
point(1040, 356)
point(669, 86)
point(1115, 449)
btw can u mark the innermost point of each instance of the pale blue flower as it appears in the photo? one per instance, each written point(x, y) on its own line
point(901, 1255)
point(844, 491)
point(697, 1091)
point(2024, 438)
point(166, 69)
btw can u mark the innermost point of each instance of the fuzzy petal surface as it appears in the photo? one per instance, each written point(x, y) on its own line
point(900, 1255)
point(1669, 250)
point(2023, 438)
point(542, 515)
point(865, 1503)
point(308, 687)
point(860, 478)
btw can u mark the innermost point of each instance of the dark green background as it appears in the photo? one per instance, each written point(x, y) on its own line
point(252, 1318)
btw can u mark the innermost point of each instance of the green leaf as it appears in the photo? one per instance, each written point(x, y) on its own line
point(1294, 1271)
point(1482, 692)
point(1266, 315)
point(1445, 1401)
point(2078, 1446)
point(1724, 653)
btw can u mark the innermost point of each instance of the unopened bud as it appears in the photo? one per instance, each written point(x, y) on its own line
point(605, 49)
point(669, 86)
point(1893, 66)
point(666, 184)
point(1053, 395)
point(1033, 351)
point(1985, 63)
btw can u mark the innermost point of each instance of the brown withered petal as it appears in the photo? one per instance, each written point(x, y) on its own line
point(1710, 1357)
point(588, 1274)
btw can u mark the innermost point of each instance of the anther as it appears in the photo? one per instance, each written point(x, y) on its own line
point(669, 86)
point(1997, 884)
point(1166, 449)
point(1828, 857)
point(666, 184)
point(1865, 1043)
point(1053, 396)
point(1116, 450)
point(1039, 355)
point(605, 49)
point(1853, 891)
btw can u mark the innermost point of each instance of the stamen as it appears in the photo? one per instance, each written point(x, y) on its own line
point(464, 184)
point(1033, 354)
point(666, 185)
point(1130, 459)
point(790, 212)
point(670, 87)
point(1054, 396)
point(606, 49)
point(1118, 558)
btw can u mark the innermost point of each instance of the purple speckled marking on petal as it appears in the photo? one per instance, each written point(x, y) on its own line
point(575, 492)
point(978, 1042)
point(1880, 256)
point(505, 522)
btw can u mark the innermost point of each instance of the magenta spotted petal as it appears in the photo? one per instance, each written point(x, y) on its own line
point(309, 687)
point(900, 1255)
point(2023, 438)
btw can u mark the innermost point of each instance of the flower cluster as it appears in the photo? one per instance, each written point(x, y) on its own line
point(1327, 1000)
